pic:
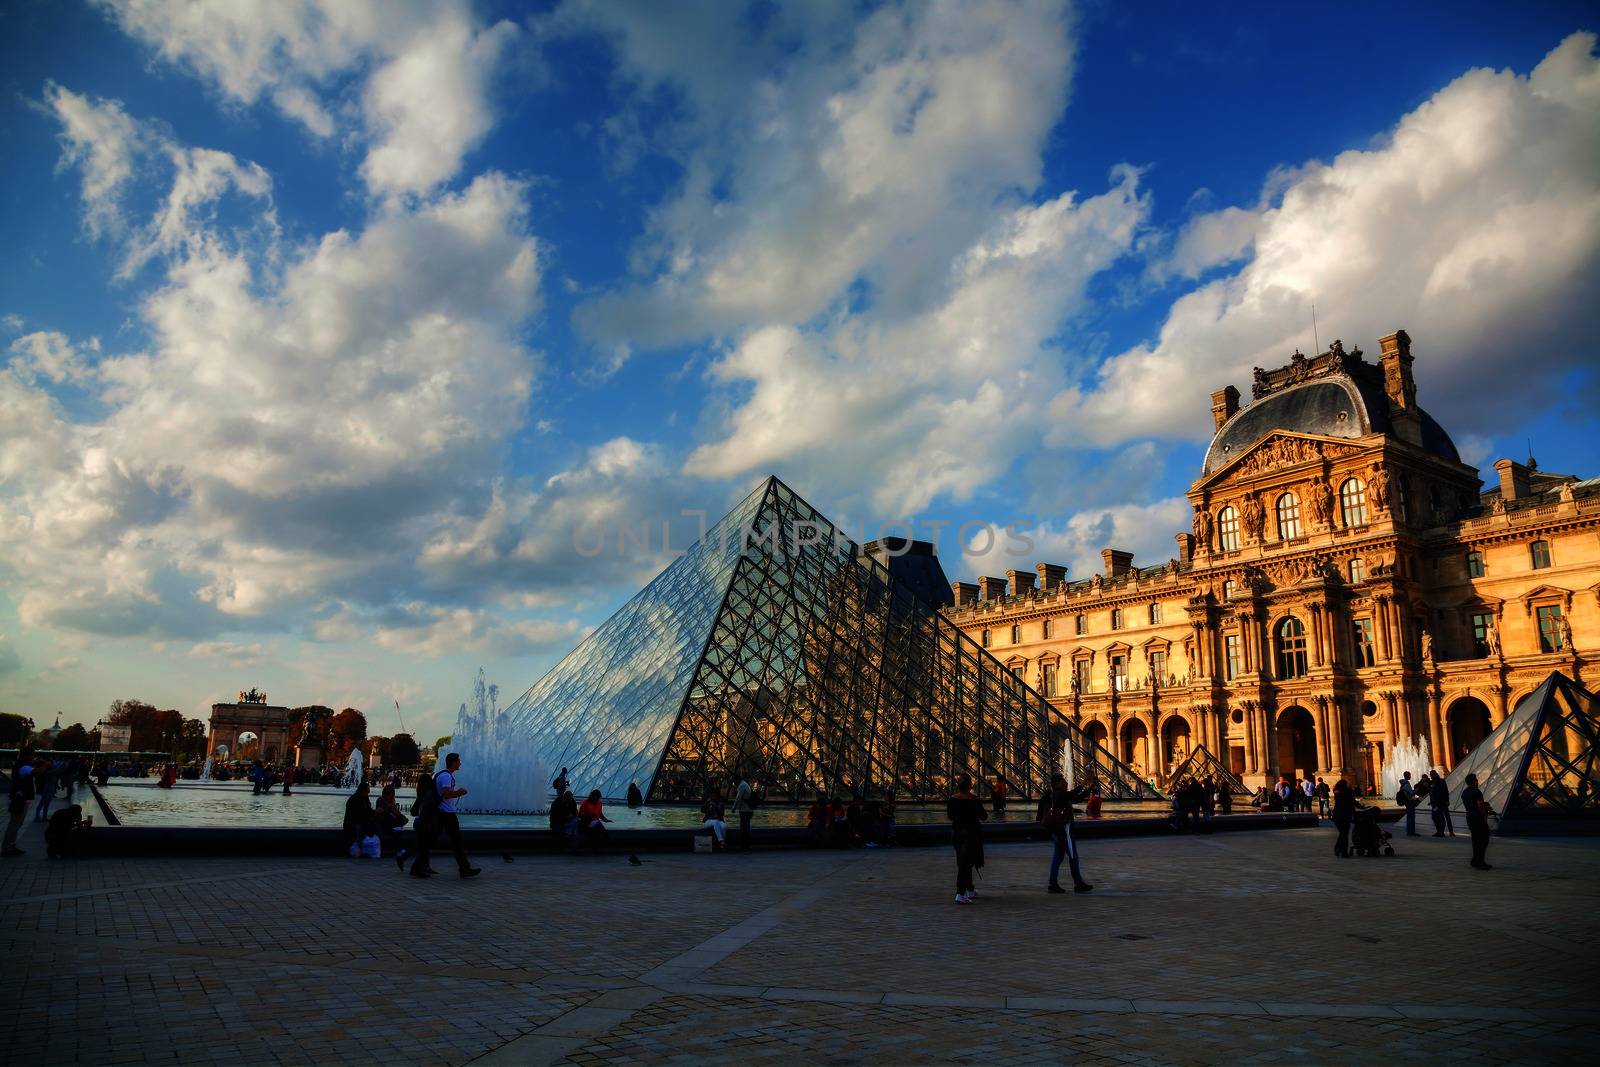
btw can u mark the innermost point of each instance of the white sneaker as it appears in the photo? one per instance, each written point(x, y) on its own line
point(962, 898)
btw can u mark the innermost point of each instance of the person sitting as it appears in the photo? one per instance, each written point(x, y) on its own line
point(838, 824)
point(712, 813)
point(884, 828)
point(391, 820)
point(359, 820)
point(817, 819)
point(635, 798)
point(592, 822)
point(564, 820)
point(66, 835)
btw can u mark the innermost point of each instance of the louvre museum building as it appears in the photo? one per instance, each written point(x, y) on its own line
point(1349, 584)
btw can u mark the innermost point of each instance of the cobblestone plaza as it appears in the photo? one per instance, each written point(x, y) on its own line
point(1236, 948)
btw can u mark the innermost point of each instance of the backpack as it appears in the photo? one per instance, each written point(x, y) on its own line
point(427, 801)
point(1400, 796)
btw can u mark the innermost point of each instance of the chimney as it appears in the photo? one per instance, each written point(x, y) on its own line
point(1118, 562)
point(1513, 480)
point(1020, 581)
point(966, 593)
point(1224, 405)
point(1185, 548)
point(1051, 576)
point(1400, 387)
point(991, 588)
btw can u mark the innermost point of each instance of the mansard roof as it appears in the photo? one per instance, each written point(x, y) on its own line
point(1332, 395)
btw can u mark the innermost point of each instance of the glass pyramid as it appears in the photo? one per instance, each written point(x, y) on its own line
point(1542, 763)
point(1200, 763)
point(777, 648)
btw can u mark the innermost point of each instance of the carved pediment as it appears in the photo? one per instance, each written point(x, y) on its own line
point(1280, 451)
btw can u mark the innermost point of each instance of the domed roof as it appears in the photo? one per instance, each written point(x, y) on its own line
point(1333, 406)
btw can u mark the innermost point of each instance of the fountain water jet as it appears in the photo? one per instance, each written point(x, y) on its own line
point(1405, 756)
point(354, 769)
point(205, 772)
point(499, 769)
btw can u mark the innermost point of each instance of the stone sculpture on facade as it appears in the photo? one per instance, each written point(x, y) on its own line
point(1255, 516)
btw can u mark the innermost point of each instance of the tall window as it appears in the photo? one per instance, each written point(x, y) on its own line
point(1047, 678)
point(1365, 656)
point(1119, 673)
point(1288, 517)
point(1435, 503)
point(1019, 669)
point(1291, 636)
point(1044, 629)
point(1475, 564)
point(1016, 635)
point(1232, 656)
point(1353, 502)
point(1229, 587)
point(1550, 628)
point(1155, 613)
point(986, 639)
point(1228, 529)
point(1081, 624)
point(1540, 553)
point(1402, 488)
point(1482, 622)
point(1116, 618)
point(1358, 571)
point(1080, 674)
point(1158, 667)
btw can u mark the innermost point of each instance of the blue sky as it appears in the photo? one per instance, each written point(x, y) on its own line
point(332, 329)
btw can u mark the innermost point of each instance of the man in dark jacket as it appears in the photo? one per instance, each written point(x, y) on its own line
point(21, 793)
point(1344, 811)
point(1055, 814)
point(1439, 798)
point(1477, 822)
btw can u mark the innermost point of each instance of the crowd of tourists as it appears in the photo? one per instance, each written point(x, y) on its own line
point(1294, 794)
point(39, 781)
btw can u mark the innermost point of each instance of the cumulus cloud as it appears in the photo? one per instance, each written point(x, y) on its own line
point(1474, 224)
point(1146, 530)
point(102, 141)
point(421, 71)
point(301, 423)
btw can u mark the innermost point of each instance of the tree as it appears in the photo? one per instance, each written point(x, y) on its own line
point(346, 730)
point(14, 729)
point(193, 736)
point(402, 751)
point(154, 730)
point(443, 743)
point(74, 739)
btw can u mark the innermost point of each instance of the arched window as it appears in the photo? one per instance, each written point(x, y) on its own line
point(1291, 637)
point(1116, 618)
point(1539, 552)
point(1081, 624)
point(1016, 635)
point(1353, 502)
point(1288, 517)
point(1155, 613)
point(1358, 571)
point(986, 639)
point(1228, 529)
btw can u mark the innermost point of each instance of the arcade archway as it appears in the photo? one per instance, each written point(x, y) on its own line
point(1175, 743)
point(1098, 735)
point(1297, 742)
point(1469, 725)
point(1135, 746)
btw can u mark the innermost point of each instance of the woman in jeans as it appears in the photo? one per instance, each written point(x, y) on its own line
point(1055, 815)
point(967, 815)
point(713, 812)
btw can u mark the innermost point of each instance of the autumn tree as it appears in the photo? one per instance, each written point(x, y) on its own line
point(346, 730)
point(74, 739)
point(153, 730)
point(14, 729)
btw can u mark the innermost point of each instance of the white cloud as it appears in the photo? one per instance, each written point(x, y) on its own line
point(1475, 225)
point(424, 71)
point(302, 423)
point(51, 355)
point(101, 140)
point(1146, 530)
point(435, 631)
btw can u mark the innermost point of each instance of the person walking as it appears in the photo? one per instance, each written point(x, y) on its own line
point(21, 793)
point(1439, 798)
point(1477, 822)
point(1406, 797)
point(712, 814)
point(445, 818)
point(44, 782)
point(1322, 798)
point(1055, 815)
point(1309, 791)
point(967, 815)
point(1344, 811)
point(744, 806)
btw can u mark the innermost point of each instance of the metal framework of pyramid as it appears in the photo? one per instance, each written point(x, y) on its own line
point(1540, 768)
point(1200, 764)
point(776, 647)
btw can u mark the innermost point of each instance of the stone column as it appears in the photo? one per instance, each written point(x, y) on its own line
point(1316, 635)
point(1385, 647)
point(1269, 739)
point(1250, 761)
point(1438, 732)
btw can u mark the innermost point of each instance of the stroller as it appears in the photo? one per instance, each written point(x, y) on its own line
point(1367, 838)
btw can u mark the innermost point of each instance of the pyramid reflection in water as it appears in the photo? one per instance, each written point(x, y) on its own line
point(777, 648)
point(1540, 768)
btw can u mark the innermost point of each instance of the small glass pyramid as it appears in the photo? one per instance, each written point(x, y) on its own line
point(1542, 764)
point(776, 648)
point(1201, 764)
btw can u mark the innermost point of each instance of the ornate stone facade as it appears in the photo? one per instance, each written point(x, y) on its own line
point(1345, 586)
